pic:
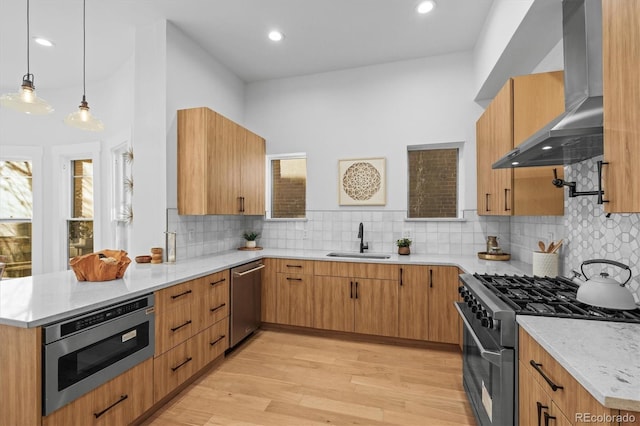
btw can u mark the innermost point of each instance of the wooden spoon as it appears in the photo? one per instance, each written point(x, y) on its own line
point(541, 245)
point(551, 247)
point(557, 246)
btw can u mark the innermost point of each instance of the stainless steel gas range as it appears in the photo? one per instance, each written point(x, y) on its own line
point(490, 348)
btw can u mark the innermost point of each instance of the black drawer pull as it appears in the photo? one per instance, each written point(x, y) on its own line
point(294, 279)
point(430, 278)
point(217, 340)
point(351, 293)
point(181, 364)
point(122, 398)
point(548, 417)
point(181, 294)
point(356, 289)
point(401, 283)
point(294, 266)
point(540, 408)
point(180, 326)
point(544, 376)
point(218, 282)
point(218, 307)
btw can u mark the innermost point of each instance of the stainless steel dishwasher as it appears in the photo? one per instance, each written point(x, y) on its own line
point(246, 283)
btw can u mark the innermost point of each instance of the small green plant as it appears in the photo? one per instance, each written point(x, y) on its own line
point(251, 235)
point(403, 242)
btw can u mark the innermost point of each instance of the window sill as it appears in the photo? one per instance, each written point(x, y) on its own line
point(435, 219)
point(278, 219)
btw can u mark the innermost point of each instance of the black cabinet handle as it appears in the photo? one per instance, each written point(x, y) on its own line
point(218, 282)
point(430, 278)
point(183, 363)
point(218, 307)
point(351, 287)
point(217, 340)
point(548, 417)
point(486, 203)
point(600, 190)
point(180, 326)
point(293, 279)
point(401, 283)
point(241, 204)
point(175, 296)
point(356, 289)
point(293, 266)
point(540, 408)
point(506, 194)
point(544, 376)
point(122, 398)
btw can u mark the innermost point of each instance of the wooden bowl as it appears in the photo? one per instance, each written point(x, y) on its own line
point(143, 259)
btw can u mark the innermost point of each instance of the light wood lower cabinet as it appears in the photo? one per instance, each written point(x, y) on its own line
point(426, 303)
point(176, 315)
point(367, 306)
point(174, 367)
point(213, 342)
point(117, 402)
point(212, 293)
point(269, 291)
point(294, 299)
point(547, 390)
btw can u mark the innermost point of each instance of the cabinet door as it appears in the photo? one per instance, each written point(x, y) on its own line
point(533, 401)
point(413, 315)
point(212, 343)
point(194, 126)
point(333, 303)
point(213, 299)
point(537, 99)
point(376, 307)
point(174, 367)
point(223, 162)
point(621, 35)
point(444, 321)
point(483, 159)
point(269, 291)
point(252, 157)
point(117, 402)
point(294, 299)
point(175, 322)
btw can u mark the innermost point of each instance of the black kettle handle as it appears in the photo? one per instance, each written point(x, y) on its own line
point(610, 262)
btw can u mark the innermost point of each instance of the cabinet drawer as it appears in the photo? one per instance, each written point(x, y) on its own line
point(174, 367)
point(117, 402)
point(357, 270)
point(295, 266)
point(177, 295)
point(212, 342)
point(173, 326)
point(214, 299)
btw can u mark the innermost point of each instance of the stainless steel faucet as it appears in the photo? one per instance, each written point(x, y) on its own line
point(363, 246)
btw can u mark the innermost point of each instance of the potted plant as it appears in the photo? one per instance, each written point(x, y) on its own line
point(250, 238)
point(404, 246)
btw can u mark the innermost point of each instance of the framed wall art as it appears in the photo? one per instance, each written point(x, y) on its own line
point(362, 182)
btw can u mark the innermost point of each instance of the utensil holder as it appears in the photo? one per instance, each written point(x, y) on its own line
point(545, 264)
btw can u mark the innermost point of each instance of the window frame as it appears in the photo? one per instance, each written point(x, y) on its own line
point(460, 178)
point(269, 185)
point(33, 154)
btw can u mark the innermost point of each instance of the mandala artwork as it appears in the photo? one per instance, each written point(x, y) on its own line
point(361, 181)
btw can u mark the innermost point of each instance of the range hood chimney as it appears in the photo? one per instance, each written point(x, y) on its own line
point(575, 135)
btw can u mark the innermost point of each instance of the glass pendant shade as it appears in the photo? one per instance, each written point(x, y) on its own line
point(82, 118)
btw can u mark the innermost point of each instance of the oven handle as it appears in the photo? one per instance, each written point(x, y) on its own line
point(494, 358)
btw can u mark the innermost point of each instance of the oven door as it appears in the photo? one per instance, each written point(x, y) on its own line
point(76, 364)
point(488, 373)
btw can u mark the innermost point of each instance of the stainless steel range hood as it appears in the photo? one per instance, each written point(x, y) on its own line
point(576, 135)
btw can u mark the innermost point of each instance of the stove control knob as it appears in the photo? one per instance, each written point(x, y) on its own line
point(481, 314)
point(471, 302)
point(487, 322)
point(462, 290)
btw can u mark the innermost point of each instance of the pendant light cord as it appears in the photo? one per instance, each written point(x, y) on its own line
point(84, 50)
point(28, 53)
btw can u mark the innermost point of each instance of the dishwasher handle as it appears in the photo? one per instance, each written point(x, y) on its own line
point(240, 274)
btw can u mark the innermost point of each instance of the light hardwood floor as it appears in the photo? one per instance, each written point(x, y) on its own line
point(281, 378)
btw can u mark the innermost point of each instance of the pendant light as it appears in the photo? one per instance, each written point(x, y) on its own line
point(26, 100)
point(82, 119)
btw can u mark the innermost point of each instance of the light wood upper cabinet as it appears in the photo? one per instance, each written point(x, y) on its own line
point(621, 85)
point(221, 165)
point(426, 297)
point(523, 105)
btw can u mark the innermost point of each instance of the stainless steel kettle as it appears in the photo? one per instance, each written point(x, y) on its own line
point(603, 291)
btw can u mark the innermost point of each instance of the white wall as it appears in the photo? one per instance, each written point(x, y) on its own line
point(373, 111)
point(195, 79)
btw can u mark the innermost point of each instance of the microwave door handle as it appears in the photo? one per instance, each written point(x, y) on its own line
point(493, 357)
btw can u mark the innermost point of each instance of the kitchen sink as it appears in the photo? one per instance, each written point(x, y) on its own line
point(359, 255)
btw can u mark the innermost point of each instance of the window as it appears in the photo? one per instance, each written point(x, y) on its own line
point(16, 213)
point(287, 186)
point(80, 223)
point(433, 181)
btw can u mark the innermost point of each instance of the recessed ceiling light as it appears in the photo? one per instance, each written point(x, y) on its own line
point(43, 42)
point(426, 7)
point(547, 147)
point(515, 163)
point(276, 35)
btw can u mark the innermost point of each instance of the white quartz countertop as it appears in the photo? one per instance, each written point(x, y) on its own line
point(43, 299)
point(604, 357)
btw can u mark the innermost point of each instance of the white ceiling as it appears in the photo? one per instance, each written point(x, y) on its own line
point(321, 35)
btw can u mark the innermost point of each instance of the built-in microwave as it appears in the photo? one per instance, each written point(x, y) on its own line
point(82, 353)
